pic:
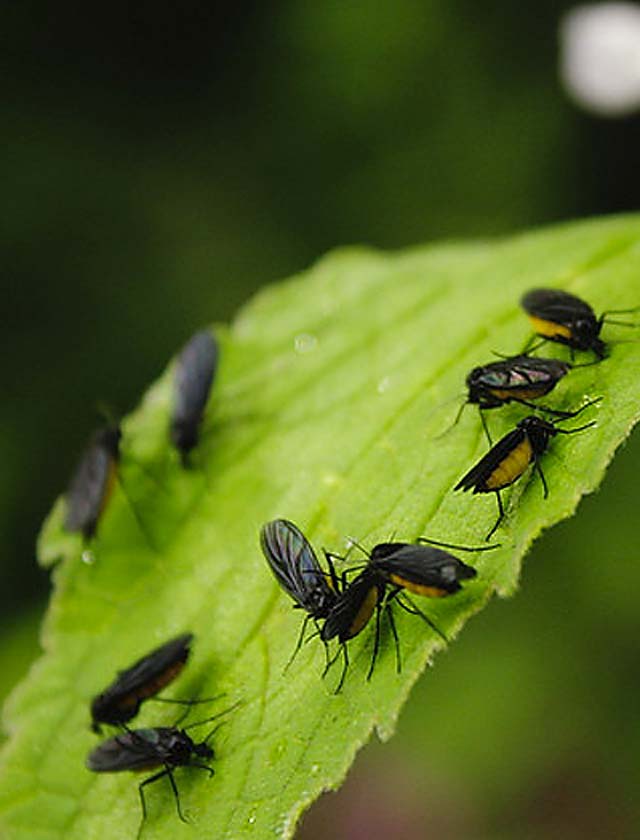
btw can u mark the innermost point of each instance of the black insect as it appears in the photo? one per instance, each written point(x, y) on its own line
point(121, 701)
point(505, 462)
point(166, 747)
point(562, 317)
point(295, 566)
point(392, 570)
point(195, 368)
point(93, 482)
point(517, 379)
point(350, 615)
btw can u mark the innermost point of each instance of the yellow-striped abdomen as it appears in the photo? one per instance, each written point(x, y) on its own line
point(109, 486)
point(516, 393)
point(549, 329)
point(418, 588)
point(511, 467)
point(365, 612)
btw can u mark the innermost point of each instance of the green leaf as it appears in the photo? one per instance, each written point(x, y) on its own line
point(332, 396)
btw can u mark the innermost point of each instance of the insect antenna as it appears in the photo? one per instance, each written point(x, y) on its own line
point(355, 544)
point(188, 704)
point(532, 345)
point(179, 702)
point(605, 319)
point(606, 313)
point(622, 323)
point(212, 718)
point(456, 420)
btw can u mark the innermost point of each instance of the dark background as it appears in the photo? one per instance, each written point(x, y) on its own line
point(162, 162)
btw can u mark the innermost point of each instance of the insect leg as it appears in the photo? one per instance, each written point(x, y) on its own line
point(176, 795)
point(338, 688)
point(298, 645)
point(206, 767)
point(332, 660)
point(394, 633)
point(588, 404)
point(577, 429)
point(326, 654)
point(499, 519)
point(330, 557)
point(556, 412)
point(545, 487)
point(376, 643)
point(472, 548)
point(148, 781)
point(413, 610)
point(485, 427)
point(324, 643)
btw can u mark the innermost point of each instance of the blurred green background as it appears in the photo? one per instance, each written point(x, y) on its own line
point(161, 163)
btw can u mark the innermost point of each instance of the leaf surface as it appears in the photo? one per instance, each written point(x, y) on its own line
point(332, 397)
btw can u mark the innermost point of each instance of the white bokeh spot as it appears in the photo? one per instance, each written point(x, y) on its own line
point(600, 57)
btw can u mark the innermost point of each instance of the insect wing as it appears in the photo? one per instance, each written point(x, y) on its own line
point(135, 750)
point(288, 551)
point(556, 306)
point(505, 374)
point(195, 370)
point(294, 563)
point(426, 566)
point(529, 371)
point(90, 482)
point(147, 672)
point(480, 472)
